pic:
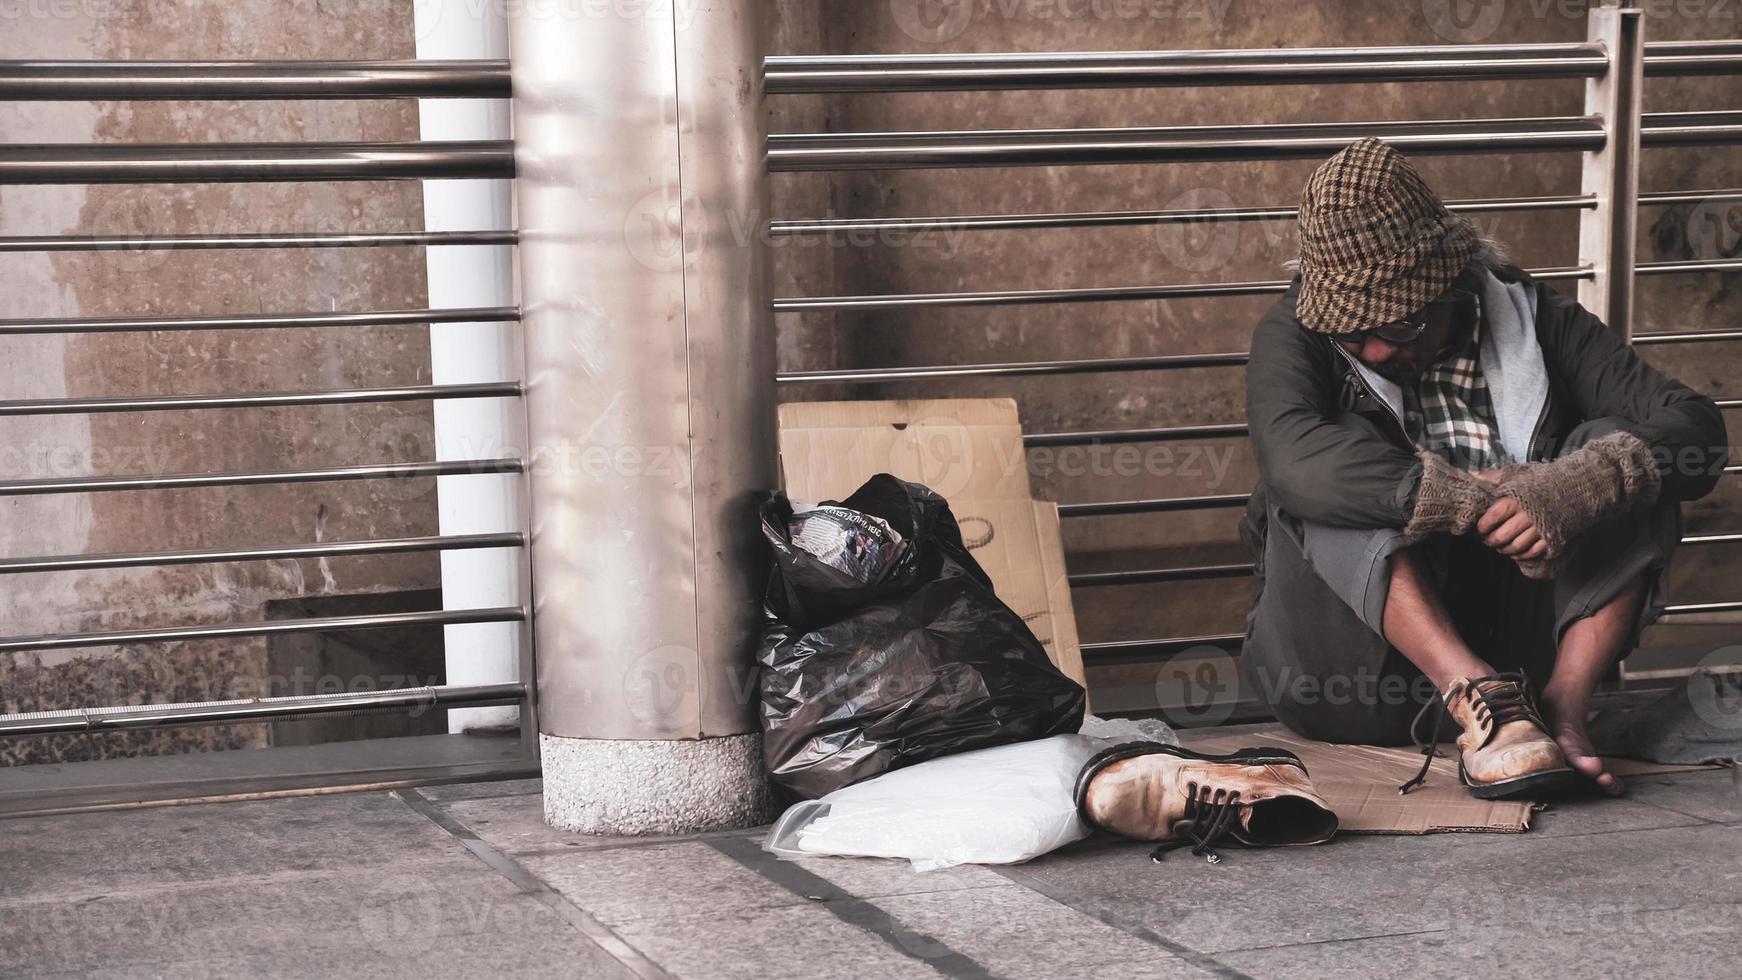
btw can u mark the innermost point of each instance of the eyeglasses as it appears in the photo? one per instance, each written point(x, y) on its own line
point(1406, 330)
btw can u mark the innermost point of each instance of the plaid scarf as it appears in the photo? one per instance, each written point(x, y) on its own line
point(1450, 412)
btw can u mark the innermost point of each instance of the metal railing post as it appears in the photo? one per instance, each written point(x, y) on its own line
point(1611, 174)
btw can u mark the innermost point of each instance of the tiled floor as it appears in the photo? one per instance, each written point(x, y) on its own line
point(467, 881)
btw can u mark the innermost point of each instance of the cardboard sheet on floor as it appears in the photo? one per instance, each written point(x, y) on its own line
point(1360, 783)
point(970, 451)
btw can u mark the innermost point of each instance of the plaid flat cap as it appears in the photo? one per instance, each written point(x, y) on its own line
point(1376, 243)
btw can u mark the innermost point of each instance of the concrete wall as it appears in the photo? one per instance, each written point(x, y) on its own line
point(71, 284)
point(1221, 252)
point(201, 282)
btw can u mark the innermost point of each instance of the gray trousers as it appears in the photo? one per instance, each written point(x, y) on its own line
point(1315, 650)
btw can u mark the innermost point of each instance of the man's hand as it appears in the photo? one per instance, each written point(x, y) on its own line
point(1509, 530)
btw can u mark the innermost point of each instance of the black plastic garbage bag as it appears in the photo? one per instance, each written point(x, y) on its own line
point(923, 661)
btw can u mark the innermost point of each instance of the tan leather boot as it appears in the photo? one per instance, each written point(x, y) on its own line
point(1258, 797)
point(1505, 749)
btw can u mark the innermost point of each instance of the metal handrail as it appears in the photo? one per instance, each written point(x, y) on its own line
point(1146, 576)
point(325, 549)
point(1055, 147)
point(258, 321)
point(1200, 573)
point(1686, 337)
point(1219, 430)
point(798, 74)
point(142, 243)
point(1099, 219)
point(79, 81)
point(439, 617)
point(1166, 505)
point(134, 716)
point(1096, 294)
point(1690, 128)
point(1687, 265)
point(1147, 651)
point(274, 399)
point(184, 481)
point(1693, 58)
point(1015, 369)
point(146, 163)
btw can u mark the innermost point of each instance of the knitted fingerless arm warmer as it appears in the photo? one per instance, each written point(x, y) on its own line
point(1449, 500)
point(1568, 496)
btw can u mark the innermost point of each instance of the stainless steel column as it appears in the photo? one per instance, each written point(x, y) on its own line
point(641, 190)
point(1606, 232)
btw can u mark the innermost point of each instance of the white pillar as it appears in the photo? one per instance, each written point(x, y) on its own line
point(461, 353)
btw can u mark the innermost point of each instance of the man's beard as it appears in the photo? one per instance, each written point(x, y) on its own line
point(1399, 371)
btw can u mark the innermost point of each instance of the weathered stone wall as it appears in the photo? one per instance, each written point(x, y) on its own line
point(1221, 252)
point(196, 283)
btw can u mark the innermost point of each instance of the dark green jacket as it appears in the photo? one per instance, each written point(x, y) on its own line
point(1320, 470)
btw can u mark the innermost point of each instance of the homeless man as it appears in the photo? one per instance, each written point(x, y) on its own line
point(1468, 487)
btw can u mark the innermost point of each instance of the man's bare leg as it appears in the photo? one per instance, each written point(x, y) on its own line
point(1418, 625)
point(1588, 648)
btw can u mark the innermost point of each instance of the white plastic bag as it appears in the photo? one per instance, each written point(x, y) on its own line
point(1002, 805)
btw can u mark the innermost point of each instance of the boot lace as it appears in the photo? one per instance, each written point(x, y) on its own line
point(1209, 815)
point(1511, 703)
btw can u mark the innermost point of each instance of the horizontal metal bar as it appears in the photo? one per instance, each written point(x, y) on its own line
point(1090, 580)
point(1164, 362)
point(1028, 297)
point(259, 321)
point(1726, 538)
point(42, 81)
point(1692, 265)
point(352, 396)
point(140, 243)
point(1099, 294)
point(183, 481)
point(437, 617)
point(325, 549)
point(1206, 572)
point(1168, 505)
point(136, 717)
point(1056, 147)
point(1111, 437)
point(154, 163)
point(1698, 608)
point(1146, 651)
point(1693, 57)
point(800, 74)
point(1661, 198)
point(1686, 337)
point(1690, 128)
point(1094, 219)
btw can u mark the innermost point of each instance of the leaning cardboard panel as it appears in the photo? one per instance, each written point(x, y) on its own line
point(970, 451)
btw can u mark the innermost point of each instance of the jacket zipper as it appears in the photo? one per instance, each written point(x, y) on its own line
point(1351, 374)
point(1536, 430)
